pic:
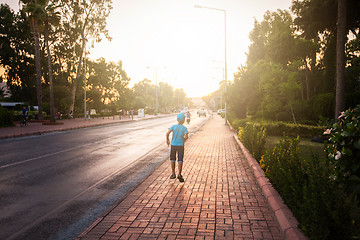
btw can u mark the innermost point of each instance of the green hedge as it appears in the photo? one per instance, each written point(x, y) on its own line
point(32, 115)
point(291, 129)
point(253, 137)
point(5, 118)
point(321, 206)
point(282, 128)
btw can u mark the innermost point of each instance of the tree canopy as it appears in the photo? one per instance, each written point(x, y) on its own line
point(61, 46)
point(290, 69)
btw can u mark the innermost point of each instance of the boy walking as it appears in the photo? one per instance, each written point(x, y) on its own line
point(179, 136)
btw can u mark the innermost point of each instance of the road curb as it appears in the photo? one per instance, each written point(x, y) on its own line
point(287, 222)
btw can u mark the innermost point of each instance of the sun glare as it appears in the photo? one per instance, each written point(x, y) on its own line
point(188, 41)
point(180, 37)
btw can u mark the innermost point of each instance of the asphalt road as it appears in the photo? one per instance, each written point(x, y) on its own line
point(53, 186)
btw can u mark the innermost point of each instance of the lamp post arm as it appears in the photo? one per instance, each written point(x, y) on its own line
point(223, 10)
point(218, 9)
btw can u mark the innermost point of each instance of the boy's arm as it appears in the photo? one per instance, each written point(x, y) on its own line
point(167, 137)
point(186, 136)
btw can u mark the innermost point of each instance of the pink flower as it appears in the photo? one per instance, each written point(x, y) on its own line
point(338, 155)
point(327, 131)
point(342, 115)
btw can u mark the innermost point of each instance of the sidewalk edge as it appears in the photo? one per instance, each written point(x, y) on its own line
point(287, 222)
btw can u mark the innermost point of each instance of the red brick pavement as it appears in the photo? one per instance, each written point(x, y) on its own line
point(219, 199)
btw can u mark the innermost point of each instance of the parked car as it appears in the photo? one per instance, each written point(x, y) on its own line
point(220, 111)
point(202, 113)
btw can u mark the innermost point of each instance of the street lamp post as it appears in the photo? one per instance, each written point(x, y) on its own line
point(221, 86)
point(224, 11)
point(156, 95)
point(85, 84)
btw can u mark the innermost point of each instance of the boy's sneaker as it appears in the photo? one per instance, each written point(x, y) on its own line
point(181, 179)
point(173, 176)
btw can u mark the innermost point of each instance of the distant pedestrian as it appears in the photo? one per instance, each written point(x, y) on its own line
point(25, 113)
point(132, 114)
point(58, 115)
point(179, 136)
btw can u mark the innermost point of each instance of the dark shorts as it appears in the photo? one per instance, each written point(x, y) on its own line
point(180, 151)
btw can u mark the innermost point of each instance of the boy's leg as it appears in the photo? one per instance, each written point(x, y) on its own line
point(173, 167)
point(180, 162)
point(172, 161)
point(180, 158)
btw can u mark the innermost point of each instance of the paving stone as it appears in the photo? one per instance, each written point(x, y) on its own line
point(220, 198)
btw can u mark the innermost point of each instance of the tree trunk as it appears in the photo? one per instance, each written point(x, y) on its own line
point(312, 73)
point(307, 82)
point(52, 107)
point(38, 69)
point(74, 86)
point(340, 58)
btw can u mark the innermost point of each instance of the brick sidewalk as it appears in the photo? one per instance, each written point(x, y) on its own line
point(219, 199)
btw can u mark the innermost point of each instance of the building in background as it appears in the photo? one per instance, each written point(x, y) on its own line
point(4, 90)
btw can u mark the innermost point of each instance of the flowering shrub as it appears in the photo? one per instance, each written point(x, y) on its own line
point(320, 206)
point(343, 149)
point(283, 167)
point(253, 137)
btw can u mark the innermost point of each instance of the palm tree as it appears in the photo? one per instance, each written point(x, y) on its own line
point(46, 14)
point(35, 30)
point(50, 17)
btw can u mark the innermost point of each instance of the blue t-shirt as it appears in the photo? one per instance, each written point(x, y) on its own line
point(179, 131)
point(25, 112)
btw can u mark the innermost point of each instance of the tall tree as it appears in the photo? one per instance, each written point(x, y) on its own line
point(46, 14)
point(50, 16)
point(330, 19)
point(107, 83)
point(16, 55)
point(340, 57)
point(144, 93)
point(86, 21)
point(166, 95)
point(262, 87)
point(34, 16)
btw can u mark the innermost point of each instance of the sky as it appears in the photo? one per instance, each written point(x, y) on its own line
point(172, 41)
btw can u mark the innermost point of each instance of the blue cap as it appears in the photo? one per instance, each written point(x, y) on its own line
point(180, 117)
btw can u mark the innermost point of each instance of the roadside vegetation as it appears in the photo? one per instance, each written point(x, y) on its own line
point(295, 104)
point(301, 75)
point(319, 182)
point(5, 118)
point(43, 47)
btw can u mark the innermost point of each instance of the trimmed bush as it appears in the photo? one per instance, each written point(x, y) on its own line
point(282, 128)
point(253, 137)
point(322, 208)
point(291, 129)
point(236, 123)
point(16, 115)
point(5, 118)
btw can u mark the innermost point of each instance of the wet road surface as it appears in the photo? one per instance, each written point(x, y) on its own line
point(55, 185)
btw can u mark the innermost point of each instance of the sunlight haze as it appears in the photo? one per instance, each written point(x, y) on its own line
point(182, 45)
